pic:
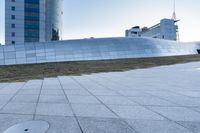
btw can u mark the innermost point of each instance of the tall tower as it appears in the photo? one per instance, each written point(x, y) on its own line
point(32, 21)
point(53, 20)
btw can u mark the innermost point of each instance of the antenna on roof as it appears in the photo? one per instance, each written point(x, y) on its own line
point(175, 22)
point(174, 12)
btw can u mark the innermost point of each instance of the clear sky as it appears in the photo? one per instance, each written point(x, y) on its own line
point(110, 18)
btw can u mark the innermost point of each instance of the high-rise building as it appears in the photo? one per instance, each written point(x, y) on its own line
point(32, 21)
point(166, 29)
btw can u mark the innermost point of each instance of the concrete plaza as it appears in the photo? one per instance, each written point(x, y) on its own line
point(163, 99)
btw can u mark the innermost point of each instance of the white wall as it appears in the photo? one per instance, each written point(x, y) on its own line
point(19, 21)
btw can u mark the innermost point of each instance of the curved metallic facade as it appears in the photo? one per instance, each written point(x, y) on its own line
point(53, 20)
point(93, 49)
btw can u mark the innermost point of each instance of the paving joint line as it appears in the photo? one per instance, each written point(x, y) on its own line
point(147, 108)
point(76, 118)
point(106, 106)
point(34, 115)
point(178, 105)
point(12, 96)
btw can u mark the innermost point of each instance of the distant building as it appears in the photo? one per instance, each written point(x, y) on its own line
point(32, 21)
point(133, 32)
point(166, 29)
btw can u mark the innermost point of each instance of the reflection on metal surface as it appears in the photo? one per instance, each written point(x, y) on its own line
point(198, 69)
point(53, 20)
point(93, 49)
point(29, 127)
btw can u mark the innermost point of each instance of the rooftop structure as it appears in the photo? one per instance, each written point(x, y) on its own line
point(32, 21)
point(155, 100)
point(166, 29)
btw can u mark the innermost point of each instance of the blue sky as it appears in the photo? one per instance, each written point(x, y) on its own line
point(110, 18)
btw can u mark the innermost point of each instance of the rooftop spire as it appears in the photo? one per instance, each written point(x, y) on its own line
point(174, 12)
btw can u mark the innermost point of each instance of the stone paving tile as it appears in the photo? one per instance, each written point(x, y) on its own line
point(176, 98)
point(116, 100)
point(8, 120)
point(52, 92)
point(178, 113)
point(51, 87)
point(5, 98)
point(77, 92)
point(90, 85)
point(31, 85)
point(47, 87)
point(162, 93)
point(28, 92)
point(51, 109)
point(61, 124)
point(192, 126)
point(104, 125)
point(72, 87)
point(135, 112)
point(185, 101)
point(19, 108)
point(151, 101)
point(30, 89)
point(2, 85)
point(91, 110)
point(2, 104)
point(150, 126)
point(8, 91)
point(197, 109)
point(51, 82)
point(189, 93)
point(52, 99)
point(82, 99)
point(69, 84)
point(12, 88)
point(132, 93)
point(103, 92)
point(25, 99)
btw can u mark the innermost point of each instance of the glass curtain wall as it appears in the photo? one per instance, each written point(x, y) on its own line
point(31, 20)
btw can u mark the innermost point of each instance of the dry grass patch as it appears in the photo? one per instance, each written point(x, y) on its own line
point(39, 71)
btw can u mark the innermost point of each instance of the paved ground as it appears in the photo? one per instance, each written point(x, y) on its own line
point(156, 100)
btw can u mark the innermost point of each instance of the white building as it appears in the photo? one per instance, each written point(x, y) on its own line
point(166, 29)
point(32, 21)
point(133, 32)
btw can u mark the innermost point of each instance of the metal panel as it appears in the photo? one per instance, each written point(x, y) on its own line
point(93, 49)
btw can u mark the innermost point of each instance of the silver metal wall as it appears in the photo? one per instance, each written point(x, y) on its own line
point(93, 49)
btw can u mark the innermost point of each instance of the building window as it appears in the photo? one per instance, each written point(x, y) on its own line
point(13, 8)
point(13, 34)
point(13, 16)
point(13, 25)
point(13, 42)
